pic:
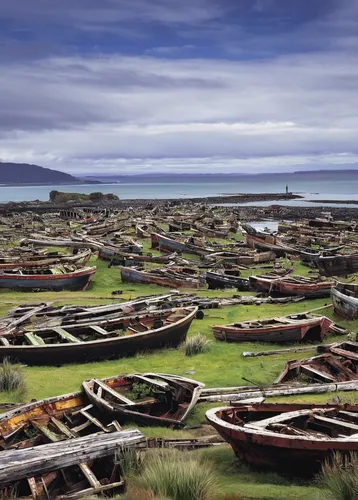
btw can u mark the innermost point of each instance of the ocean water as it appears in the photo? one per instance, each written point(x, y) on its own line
point(311, 188)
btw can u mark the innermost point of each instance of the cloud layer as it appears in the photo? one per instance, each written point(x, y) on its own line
point(176, 103)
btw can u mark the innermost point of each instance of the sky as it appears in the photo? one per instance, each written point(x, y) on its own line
point(140, 86)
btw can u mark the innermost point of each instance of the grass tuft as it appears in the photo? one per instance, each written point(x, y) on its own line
point(130, 461)
point(12, 378)
point(197, 344)
point(340, 476)
point(175, 475)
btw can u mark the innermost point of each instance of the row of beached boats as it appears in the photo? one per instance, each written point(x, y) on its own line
point(65, 446)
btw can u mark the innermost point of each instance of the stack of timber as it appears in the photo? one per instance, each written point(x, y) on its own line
point(103, 339)
point(67, 469)
point(293, 328)
point(295, 438)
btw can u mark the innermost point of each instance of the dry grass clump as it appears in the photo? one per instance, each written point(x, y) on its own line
point(340, 476)
point(197, 344)
point(12, 378)
point(178, 476)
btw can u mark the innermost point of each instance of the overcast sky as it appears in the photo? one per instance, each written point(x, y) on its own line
point(134, 86)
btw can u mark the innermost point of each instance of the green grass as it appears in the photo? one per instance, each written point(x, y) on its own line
point(221, 366)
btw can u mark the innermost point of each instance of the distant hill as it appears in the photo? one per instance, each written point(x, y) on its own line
point(23, 173)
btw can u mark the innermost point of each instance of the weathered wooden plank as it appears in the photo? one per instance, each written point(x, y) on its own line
point(66, 335)
point(30, 462)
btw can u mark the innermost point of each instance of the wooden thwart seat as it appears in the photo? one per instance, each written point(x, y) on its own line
point(66, 335)
point(112, 392)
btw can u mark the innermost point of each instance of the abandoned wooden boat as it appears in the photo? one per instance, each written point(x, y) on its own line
point(311, 256)
point(149, 398)
point(107, 252)
point(217, 281)
point(49, 259)
point(267, 242)
point(293, 328)
point(246, 258)
point(155, 259)
point(159, 277)
point(345, 300)
point(294, 438)
point(325, 368)
point(162, 242)
point(60, 446)
point(338, 265)
point(51, 278)
point(311, 288)
point(122, 336)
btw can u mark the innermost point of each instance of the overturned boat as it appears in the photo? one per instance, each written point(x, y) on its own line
point(300, 327)
point(294, 438)
point(151, 398)
point(105, 339)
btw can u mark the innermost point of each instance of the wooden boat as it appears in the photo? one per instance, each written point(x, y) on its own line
point(151, 398)
point(108, 252)
point(217, 281)
point(345, 300)
point(162, 242)
point(159, 277)
point(338, 265)
point(292, 328)
point(106, 339)
point(51, 278)
point(157, 259)
point(48, 259)
point(310, 257)
point(32, 436)
point(325, 368)
point(267, 242)
point(311, 288)
point(294, 438)
point(241, 258)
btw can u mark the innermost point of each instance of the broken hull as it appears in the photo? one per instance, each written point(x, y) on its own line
point(280, 287)
point(134, 276)
point(218, 282)
point(57, 354)
point(261, 244)
point(280, 452)
point(169, 411)
point(344, 305)
point(77, 280)
point(314, 329)
point(338, 265)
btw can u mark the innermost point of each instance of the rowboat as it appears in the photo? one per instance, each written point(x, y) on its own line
point(292, 328)
point(292, 285)
point(51, 278)
point(295, 438)
point(159, 277)
point(149, 398)
point(345, 300)
point(106, 339)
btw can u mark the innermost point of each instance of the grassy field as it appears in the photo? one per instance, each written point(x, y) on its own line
point(221, 366)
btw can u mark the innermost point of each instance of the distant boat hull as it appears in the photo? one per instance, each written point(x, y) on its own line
point(135, 276)
point(280, 286)
point(218, 281)
point(338, 265)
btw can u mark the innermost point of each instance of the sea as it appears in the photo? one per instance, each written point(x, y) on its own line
point(310, 188)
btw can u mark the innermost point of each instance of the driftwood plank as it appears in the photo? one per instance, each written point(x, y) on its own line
point(29, 462)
